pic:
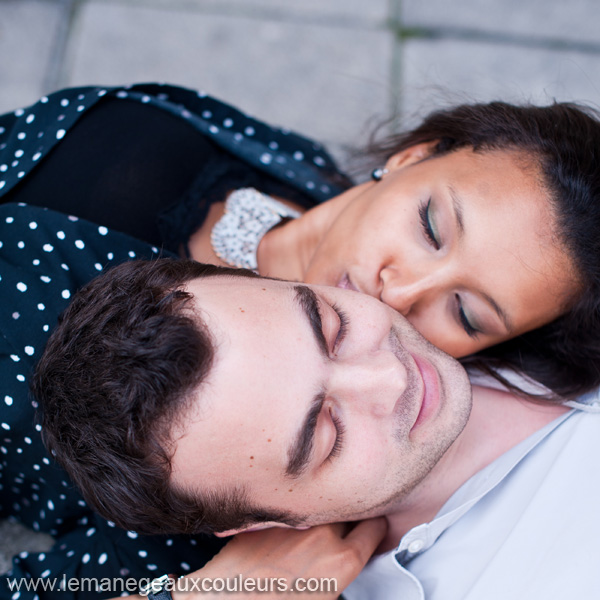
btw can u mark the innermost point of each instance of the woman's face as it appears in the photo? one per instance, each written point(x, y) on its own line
point(463, 245)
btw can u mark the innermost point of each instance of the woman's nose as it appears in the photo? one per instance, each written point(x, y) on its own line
point(403, 291)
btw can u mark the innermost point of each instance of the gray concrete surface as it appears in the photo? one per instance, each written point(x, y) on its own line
point(324, 67)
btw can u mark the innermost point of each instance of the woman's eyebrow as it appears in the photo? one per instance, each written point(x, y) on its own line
point(457, 205)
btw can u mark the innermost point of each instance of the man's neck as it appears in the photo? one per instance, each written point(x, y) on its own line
point(498, 422)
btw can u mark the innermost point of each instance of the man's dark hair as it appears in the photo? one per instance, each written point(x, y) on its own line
point(117, 374)
point(563, 140)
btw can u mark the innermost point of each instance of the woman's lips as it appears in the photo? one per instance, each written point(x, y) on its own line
point(346, 284)
point(431, 391)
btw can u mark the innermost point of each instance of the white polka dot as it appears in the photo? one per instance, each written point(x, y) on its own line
point(65, 267)
point(27, 440)
point(110, 256)
point(4, 168)
point(20, 377)
point(249, 131)
point(35, 262)
point(122, 94)
point(185, 566)
point(36, 156)
point(318, 160)
point(46, 462)
point(298, 155)
point(143, 553)
point(38, 427)
point(90, 532)
point(21, 174)
point(145, 99)
point(132, 534)
point(207, 114)
point(213, 129)
point(66, 294)
point(266, 158)
point(45, 278)
point(169, 542)
point(16, 315)
point(46, 327)
point(19, 112)
point(228, 123)
point(9, 219)
point(273, 145)
point(79, 244)
point(21, 135)
point(47, 247)
point(33, 225)
point(21, 245)
point(64, 102)
point(29, 350)
point(5, 426)
point(8, 400)
point(60, 134)
point(30, 118)
point(21, 286)
point(151, 567)
point(85, 558)
point(102, 558)
point(24, 554)
point(60, 235)
point(73, 218)
point(16, 596)
point(41, 306)
point(101, 93)
point(131, 254)
point(80, 108)
point(102, 230)
point(98, 267)
point(15, 357)
point(45, 573)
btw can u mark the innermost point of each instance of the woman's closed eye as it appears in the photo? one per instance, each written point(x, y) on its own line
point(428, 225)
point(342, 328)
point(469, 327)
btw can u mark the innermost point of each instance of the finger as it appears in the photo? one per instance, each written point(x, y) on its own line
point(366, 536)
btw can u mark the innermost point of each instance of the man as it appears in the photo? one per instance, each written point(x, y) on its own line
point(268, 403)
point(333, 396)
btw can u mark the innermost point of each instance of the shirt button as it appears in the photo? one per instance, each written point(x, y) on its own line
point(416, 546)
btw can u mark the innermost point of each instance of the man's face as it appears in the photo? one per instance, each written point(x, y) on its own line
point(321, 402)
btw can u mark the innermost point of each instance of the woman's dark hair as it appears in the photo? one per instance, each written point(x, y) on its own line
point(115, 378)
point(563, 139)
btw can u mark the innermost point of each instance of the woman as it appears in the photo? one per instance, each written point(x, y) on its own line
point(134, 160)
point(480, 229)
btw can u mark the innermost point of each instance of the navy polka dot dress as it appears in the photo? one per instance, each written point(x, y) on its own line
point(45, 257)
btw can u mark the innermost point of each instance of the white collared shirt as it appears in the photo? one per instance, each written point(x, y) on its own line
point(527, 526)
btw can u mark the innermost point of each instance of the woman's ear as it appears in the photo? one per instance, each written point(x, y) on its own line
point(411, 155)
point(257, 527)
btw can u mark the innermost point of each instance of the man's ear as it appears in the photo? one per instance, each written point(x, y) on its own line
point(258, 527)
point(411, 155)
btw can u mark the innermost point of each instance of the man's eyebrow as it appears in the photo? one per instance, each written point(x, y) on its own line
point(300, 451)
point(460, 225)
point(310, 309)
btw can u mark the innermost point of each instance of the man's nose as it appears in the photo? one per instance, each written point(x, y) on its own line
point(404, 290)
point(373, 381)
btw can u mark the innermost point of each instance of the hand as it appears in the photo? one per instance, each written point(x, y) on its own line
point(321, 562)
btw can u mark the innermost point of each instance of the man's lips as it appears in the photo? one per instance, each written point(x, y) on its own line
point(431, 391)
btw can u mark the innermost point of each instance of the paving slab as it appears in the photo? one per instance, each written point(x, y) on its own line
point(28, 33)
point(343, 10)
point(323, 81)
point(446, 72)
point(575, 20)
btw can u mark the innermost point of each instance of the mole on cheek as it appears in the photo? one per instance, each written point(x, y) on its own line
point(241, 309)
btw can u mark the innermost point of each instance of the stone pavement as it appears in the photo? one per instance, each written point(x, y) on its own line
point(327, 68)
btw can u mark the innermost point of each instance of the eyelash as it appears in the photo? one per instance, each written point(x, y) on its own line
point(471, 331)
point(426, 224)
point(339, 437)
